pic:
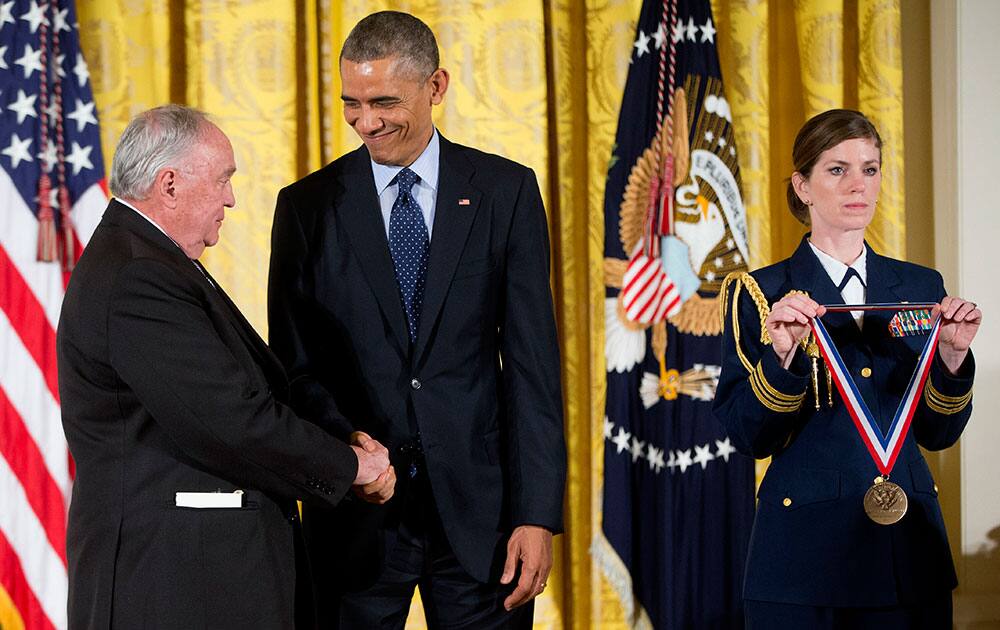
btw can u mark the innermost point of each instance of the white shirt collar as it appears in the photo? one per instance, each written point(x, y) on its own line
point(836, 269)
point(144, 216)
point(425, 166)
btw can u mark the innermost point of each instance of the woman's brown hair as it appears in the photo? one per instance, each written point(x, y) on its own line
point(821, 133)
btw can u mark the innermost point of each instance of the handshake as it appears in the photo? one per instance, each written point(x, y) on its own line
point(376, 478)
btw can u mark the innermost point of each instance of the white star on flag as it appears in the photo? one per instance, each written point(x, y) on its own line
point(641, 45)
point(708, 32)
point(60, 21)
point(709, 136)
point(637, 447)
point(724, 449)
point(18, 150)
point(3, 61)
point(672, 461)
point(609, 426)
point(655, 458)
point(621, 440)
point(24, 106)
point(684, 459)
point(31, 61)
point(678, 32)
point(83, 114)
point(36, 15)
point(692, 30)
point(48, 155)
point(80, 70)
point(660, 36)
point(703, 455)
point(79, 157)
point(722, 141)
point(6, 14)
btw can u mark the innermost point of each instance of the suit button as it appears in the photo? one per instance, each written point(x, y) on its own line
point(786, 502)
point(866, 372)
point(415, 384)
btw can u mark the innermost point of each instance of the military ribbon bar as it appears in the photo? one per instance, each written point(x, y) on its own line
point(884, 448)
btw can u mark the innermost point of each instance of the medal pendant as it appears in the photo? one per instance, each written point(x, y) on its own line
point(885, 503)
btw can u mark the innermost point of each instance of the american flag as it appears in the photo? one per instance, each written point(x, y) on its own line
point(52, 194)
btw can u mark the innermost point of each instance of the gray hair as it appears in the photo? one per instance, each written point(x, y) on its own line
point(153, 140)
point(393, 34)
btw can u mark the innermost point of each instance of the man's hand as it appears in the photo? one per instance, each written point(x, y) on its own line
point(532, 547)
point(960, 321)
point(373, 461)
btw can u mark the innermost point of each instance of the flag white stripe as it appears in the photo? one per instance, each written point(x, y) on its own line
point(87, 212)
point(42, 566)
point(18, 234)
point(24, 384)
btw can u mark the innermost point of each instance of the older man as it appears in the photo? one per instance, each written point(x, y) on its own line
point(409, 297)
point(183, 510)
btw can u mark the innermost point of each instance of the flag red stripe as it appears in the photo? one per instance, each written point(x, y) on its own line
point(16, 585)
point(28, 465)
point(27, 317)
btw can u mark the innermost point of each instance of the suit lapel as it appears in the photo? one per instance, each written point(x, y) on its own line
point(358, 211)
point(452, 223)
point(195, 272)
point(809, 275)
point(883, 286)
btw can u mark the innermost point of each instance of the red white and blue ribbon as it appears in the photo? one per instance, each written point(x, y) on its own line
point(883, 447)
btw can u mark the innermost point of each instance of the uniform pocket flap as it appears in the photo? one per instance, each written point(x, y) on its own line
point(803, 486)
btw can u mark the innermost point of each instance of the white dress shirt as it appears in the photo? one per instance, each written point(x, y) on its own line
point(854, 290)
point(424, 191)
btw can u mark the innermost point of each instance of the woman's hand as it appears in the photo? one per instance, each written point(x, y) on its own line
point(788, 324)
point(960, 321)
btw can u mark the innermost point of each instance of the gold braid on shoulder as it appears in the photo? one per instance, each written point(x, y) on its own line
point(743, 280)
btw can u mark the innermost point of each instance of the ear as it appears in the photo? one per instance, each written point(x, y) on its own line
point(439, 85)
point(165, 187)
point(801, 186)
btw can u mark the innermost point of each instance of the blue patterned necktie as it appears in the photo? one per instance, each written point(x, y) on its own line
point(408, 244)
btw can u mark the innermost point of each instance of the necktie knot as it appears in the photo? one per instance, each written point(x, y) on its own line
point(406, 179)
point(851, 273)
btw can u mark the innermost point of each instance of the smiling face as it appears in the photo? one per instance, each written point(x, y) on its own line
point(842, 188)
point(390, 108)
point(203, 190)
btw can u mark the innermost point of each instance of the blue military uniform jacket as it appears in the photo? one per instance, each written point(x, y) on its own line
point(812, 543)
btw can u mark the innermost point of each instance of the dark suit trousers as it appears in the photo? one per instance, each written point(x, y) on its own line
point(933, 614)
point(417, 554)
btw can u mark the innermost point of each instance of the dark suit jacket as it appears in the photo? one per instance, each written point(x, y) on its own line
point(166, 388)
point(821, 549)
point(481, 383)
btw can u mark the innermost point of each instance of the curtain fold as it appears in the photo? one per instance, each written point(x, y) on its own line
point(539, 82)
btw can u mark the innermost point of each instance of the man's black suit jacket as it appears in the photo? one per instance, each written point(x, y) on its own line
point(481, 384)
point(166, 388)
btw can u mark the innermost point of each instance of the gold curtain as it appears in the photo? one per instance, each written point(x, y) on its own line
point(539, 81)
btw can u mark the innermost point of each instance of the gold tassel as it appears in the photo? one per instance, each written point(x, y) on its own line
point(812, 351)
point(829, 387)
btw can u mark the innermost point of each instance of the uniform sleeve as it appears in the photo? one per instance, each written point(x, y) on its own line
point(294, 333)
point(219, 413)
point(529, 349)
point(757, 400)
point(946, 403)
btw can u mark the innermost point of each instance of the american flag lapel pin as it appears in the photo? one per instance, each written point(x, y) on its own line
point(463, 201)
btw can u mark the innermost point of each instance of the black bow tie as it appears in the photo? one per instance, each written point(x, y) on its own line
point(851, 273)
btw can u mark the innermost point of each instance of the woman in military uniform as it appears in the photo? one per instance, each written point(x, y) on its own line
point(840, 540)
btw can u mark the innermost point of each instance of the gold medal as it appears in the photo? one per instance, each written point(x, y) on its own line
point(885, 502)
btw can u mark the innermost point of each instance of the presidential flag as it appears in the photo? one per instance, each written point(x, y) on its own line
point(52, 195)
point(677, 499)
